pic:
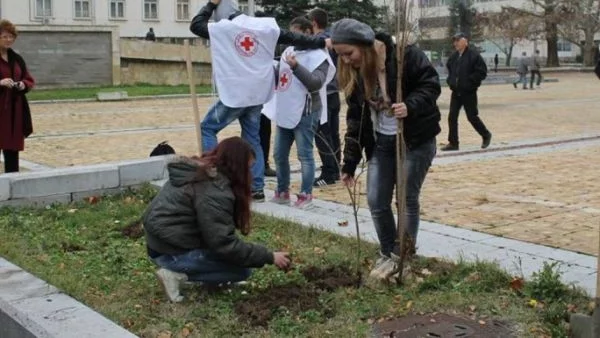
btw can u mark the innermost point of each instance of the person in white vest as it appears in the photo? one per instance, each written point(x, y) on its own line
point(242, 50)
point(298, 108)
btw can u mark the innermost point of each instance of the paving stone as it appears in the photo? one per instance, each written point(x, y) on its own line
point(37, 201)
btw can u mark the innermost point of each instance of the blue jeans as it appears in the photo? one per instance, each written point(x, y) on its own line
point(522, 79)
point(304, 135)
point(199, 266)
point(220, 116)
point(381, 179)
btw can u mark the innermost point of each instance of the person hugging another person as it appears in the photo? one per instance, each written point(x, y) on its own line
point(298, 107)
point(190, 225)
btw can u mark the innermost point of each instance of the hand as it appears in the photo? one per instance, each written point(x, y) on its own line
point(7, 82)
point(216, 2)
point(400, 110)
point(281, 260)
point(290, 59)
point(20, 85)
point(348, 180)
point(328, 44)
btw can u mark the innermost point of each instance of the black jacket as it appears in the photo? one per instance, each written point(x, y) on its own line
point(199, 26)
point(466, 72)
point(421, 89)
point(195, 210)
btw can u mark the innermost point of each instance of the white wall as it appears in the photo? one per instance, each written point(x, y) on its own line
point(22, 12)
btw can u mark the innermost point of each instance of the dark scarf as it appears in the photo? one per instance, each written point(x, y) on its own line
point(13, 58)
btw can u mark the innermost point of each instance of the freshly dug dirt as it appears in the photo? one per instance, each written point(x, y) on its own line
point(330, 278)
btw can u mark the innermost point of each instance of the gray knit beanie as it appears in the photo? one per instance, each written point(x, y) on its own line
point(352, 32)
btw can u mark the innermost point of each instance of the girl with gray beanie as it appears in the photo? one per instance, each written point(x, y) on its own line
point(367, 69)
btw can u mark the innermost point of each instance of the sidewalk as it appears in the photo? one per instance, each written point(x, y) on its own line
point(438, 240)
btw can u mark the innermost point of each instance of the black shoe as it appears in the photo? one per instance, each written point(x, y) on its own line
point(486, 141)
point(258, 196)
point(449, 147)
point(269, 172)
point(323, 181)
point(515, 85)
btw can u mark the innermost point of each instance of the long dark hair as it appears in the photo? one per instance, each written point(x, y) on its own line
point(232, 158)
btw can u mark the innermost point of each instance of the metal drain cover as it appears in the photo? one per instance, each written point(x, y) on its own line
point(440, 326)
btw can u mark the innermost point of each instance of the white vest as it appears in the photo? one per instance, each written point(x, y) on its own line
point(242, 51)
point(287, 106)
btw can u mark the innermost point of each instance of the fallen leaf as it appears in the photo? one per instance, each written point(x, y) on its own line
point(409, 304)
point(319, 251)
point(426, 272)
point(165, 334)
point(517, 283)
point(61, 266)
point(70, 211)
point(137, 306)
point(185, 332)
point(472, 308)
point(532, 303)
point(473, 277)
point(571, 308)
point(92, 200)
point(481, 322)
point(343, 223)
point(370, 321)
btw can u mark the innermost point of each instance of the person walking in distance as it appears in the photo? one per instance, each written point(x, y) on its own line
point(328, 136)
point(521, 71)
point(466, 71)
point(535, 70)
point(496, 63)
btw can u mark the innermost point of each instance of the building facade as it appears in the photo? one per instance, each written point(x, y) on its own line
point(168, 18)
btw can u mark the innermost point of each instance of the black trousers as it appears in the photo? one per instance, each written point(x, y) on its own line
point(327, 139)
point(469, 102)
point(11, 160)
point(265, 137)
point(539, 78)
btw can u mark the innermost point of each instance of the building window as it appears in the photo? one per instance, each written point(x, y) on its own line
point(82, 9)
point(183, 9)
point(43, 8)
point(117, 9)
point(564, 46)
point(150, 9)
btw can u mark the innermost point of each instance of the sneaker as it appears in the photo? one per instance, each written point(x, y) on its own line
point(486, 141)
point(170, 281)
point(258, 196)
point(282, 198)
point(323, 181)
point(269, 172)
point(449, 147)
point(383, 266)
point(304, 200)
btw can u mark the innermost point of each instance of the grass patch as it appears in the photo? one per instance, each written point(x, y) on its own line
point(83, 249)
point(132, 90)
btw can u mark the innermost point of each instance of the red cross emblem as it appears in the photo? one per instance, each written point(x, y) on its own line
point(285, 80)
point(246, 44)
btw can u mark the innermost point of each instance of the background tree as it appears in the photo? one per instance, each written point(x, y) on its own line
point(366, 11)
point(464, 18)
point(580, 25)
point(551, 13)
point(506, 28)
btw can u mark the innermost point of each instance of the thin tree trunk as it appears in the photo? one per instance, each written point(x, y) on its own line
point(552, 41)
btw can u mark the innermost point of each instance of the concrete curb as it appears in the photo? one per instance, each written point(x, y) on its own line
point(131, 98)
point(30, 308)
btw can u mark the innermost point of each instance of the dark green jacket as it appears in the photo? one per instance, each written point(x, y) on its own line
point(195, 210)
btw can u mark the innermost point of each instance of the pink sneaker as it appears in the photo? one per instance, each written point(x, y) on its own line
point(282, 198)
point(304, 200)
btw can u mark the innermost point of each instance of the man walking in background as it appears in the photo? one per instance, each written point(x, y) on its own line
point(534, 67)
point(522, 71)
point(327, 137)
point(466, 70)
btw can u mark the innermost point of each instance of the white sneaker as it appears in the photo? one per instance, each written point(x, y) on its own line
point(170, 282)
point(381, 262)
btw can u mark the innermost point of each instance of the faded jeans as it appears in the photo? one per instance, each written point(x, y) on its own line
point(304, 135)
point(199, 266)
point(380, 188)
point(220, 116)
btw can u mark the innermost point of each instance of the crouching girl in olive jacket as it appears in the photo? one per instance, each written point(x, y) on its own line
point(190, 225)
